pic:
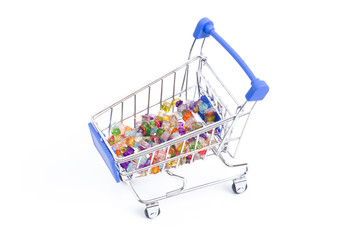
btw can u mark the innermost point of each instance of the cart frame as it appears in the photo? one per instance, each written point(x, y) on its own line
point(221, 132)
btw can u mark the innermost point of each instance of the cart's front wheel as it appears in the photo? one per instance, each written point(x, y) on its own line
point(152, 211)
point(239, 185)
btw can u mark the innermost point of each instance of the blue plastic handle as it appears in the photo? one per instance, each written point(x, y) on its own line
point(259, 88)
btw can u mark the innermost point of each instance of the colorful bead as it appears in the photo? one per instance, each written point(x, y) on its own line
point(138, 137)
point(166, 106)
point(155, 139)
point(160, 131)
point(178, 103)
point(161, 114)
point(111, 140)
point(130, 134)
point(174, 102)
point(115, 129)
point(127, 128)
point(152, 123)
point(210, 118)
point(196, 106)
point(145, 129)
point(182, 107)
point(130, 141)
point(174, 121)
point(164, 136)
point(181, 128)
point(144, 145)
point(209, 111)
point(166, 125)
point(196, 125)
point(203, 107)
point(187, 114)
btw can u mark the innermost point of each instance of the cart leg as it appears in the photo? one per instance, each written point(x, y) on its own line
point(239, 185)
point(152, 210)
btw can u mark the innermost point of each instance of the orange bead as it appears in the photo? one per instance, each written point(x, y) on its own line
point(172, 150)
point(117, 152)
point(130, 141)
point(127, 128)
point(155, 170)
point(174, 130)
point(187, 114)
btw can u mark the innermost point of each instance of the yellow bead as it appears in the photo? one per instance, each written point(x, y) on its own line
point(173, 102)
point(166, 106)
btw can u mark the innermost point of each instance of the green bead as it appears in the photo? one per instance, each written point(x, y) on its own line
point(115, 131)
point(152, 123)
point(160, 131)
point(147, 128)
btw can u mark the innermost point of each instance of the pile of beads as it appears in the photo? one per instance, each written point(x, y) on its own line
point(156, 129)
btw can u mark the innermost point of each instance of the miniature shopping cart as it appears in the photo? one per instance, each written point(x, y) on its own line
point(192, 80)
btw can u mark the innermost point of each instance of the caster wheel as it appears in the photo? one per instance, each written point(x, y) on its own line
point(152, 211)
point(239, 187)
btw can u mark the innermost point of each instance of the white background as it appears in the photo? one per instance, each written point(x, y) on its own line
point(62, 61)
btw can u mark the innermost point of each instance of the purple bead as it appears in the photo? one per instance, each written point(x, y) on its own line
point(128, 151)
point(125, 164)
point(181, 128)
point(146, 164)
point(144, 145)
point(178, 103)
point(203, 136)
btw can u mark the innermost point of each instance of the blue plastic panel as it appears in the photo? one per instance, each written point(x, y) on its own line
point(104, 152)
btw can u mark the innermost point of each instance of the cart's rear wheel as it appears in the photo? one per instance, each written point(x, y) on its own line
point(239, 187)
point(152, 211)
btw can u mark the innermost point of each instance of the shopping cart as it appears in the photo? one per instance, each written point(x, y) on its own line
point(192, 80)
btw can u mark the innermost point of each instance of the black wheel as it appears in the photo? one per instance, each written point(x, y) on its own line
point(238, 191)
point(153, 215)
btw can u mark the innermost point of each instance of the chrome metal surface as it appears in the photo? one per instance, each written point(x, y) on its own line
point(240, 185)
point(197, 83)
point(152, 210)
point(176, 191)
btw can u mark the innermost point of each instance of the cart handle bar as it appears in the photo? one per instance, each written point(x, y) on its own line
point(259, 88)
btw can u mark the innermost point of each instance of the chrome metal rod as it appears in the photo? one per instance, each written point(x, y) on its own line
point(161, 93)
point(111, 112)
point(141, 89)
point(148, 106)
point(176, 191)
point(186, 190)
point(192, 46)
point(221, 82)
point(196, 142)
point(242, 132)
point(214, 95)
point(174, 85)
point(144, 109)
point(151, 163)
point(174, 158)
point(134, 111)
point(227, 135)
